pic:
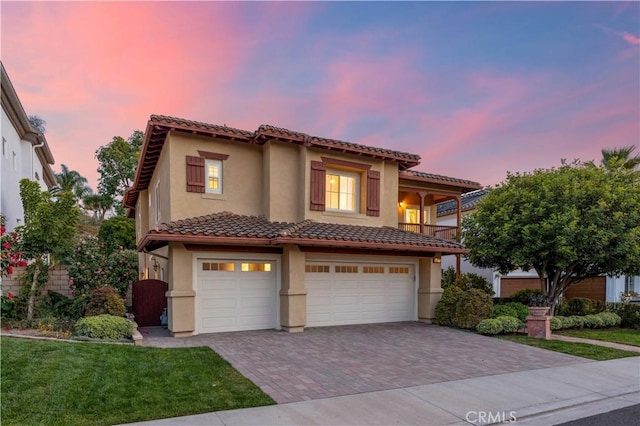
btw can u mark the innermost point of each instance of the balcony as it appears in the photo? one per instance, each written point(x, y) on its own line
point(438, 231)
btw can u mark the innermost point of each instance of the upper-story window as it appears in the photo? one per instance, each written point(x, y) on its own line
point(342, 191)
point(341, 186)
point(204, 173)
point(156, 197)
point(213, 170)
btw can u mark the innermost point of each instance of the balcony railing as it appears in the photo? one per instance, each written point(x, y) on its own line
point(438, 231)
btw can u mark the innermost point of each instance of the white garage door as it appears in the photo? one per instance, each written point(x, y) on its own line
point(357, 293)
point(236, 295)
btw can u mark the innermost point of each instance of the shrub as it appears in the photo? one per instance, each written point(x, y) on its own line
point(524, 296)
point(509, 324)
point(105, 300)
point(609, 319)
point(629, 313)
point(448, 277)
point(470, 280)
point(567, 322)
point(556, 323)
point(578, 321)
point(7, 307)
point(593, 321)
point(577, 306)
point(445, 309)
point(63, 307)
point(490, 326)
point(473, 306)
point(104, 327)
point(512, 309)
point(118, 232)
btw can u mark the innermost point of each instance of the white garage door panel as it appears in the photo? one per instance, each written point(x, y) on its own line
point(338, 298)
point(239, 300)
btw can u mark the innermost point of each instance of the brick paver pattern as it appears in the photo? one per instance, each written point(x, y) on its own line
point(333, 361)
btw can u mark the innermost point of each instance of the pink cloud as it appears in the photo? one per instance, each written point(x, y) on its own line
point(631, 39)
point(626, 36)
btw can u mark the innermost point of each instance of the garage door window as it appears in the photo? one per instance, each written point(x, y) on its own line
point(317, 268)
point(223, 267)
point(373, 269)
point(398, 269)
point(346, 269)
point(255, 267)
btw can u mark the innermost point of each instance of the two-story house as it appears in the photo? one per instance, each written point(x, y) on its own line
point(25, 154)
point(279, 229)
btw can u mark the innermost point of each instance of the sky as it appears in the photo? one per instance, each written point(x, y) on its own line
point(475, 88)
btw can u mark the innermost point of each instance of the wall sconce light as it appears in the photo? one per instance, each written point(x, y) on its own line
point(401, 204)
point(437, 259)
point(155, 263)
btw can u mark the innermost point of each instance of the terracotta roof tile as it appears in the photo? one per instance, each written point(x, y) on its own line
point(438, 178)
point(191, 124)
point(225, 225)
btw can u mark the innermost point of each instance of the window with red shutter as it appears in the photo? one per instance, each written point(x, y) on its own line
point(195, 174)
point(318, 185)
point(373, 193)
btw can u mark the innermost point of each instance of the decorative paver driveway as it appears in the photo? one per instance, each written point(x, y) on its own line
point(332, 361)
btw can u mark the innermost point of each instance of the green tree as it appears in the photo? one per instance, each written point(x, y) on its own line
point(99, 204)
point(118, 161)
point(617, 158)
point(568, 223)
point(73, 182)
point(118, 232)
point(49, 229)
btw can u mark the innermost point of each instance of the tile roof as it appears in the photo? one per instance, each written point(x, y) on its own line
point(469, 201)
point(226, 227)
point(430, 177)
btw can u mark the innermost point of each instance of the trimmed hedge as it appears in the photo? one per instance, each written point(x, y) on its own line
point(490, 326)
point(510, 324)
point(512, 309)
point(603, 319)
point(628, 312)
point(104, 327)
point(446, 307)
point(472, 307)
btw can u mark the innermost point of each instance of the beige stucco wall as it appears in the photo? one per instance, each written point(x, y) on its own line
point(281, 179)
point(241, 177)
point(293, 293)
point(181, 295)
point(429, 289)
point(161, 176)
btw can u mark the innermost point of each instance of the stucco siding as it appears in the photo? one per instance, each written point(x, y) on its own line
point(242, 176)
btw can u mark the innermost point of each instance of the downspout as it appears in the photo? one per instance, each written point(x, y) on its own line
point(33, 155)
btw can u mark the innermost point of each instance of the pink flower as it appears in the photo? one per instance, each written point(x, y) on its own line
point(6, 245)
point(10, 296)
point(9, 269)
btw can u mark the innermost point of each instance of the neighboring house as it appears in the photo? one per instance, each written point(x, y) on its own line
point(25, 154)
point(603, 288)
point(447, 212)
point(279, 229)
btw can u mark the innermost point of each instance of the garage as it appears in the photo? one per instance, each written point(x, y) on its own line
point(235, 295)
point(359, 293)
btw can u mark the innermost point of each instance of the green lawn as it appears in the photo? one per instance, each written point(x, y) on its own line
point(625, 336)
point(584, 350)
point(46, 382)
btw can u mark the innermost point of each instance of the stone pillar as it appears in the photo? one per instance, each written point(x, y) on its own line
point(539, 327)
point(429, 289)
point(181, 298)
point(293, 293)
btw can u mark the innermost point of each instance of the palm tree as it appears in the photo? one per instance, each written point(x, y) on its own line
point(620, 158)
point(72, 181)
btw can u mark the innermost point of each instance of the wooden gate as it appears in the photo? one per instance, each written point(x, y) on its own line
point(149, 300)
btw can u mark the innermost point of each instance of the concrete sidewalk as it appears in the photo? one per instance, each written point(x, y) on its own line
point(535, 397)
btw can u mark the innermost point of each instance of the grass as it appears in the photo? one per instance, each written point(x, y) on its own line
point(45, 382)
point(625, 336)
point(584, 350)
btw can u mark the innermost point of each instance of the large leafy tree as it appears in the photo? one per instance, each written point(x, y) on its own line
point(99, 204)
point(617, 158)
point(117, 233)
point(48, 231)
point(118, 161)
point(568, 223)
point(73, 182)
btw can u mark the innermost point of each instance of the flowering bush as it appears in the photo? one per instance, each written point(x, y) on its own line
point(7, 307)
point(10, 251)
point(91, 266)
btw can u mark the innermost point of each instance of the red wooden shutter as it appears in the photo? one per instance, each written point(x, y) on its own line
point(318, 185)
point(195, 174)
point(373, 193)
